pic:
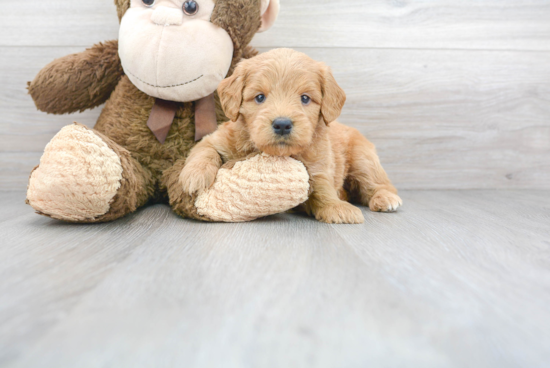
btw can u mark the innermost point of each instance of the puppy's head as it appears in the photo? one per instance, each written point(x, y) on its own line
point(281, 97)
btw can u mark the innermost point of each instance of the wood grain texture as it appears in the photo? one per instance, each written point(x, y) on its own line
point(15, 168)
point(440, 119)
point(421, 24)
point(58, 22)
point(447, 24)
point(455, 279)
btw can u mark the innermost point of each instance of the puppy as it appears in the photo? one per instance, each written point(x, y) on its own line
point(284, 103)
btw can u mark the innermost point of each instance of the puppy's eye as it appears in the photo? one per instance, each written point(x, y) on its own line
point(148, 2)
point(190, 7)
point(306, 100)
point(260, 99)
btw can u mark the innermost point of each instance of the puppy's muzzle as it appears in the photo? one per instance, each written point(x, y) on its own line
point(282, 126)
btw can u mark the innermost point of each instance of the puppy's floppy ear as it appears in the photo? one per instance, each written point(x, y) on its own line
point(230, 91)
point(334, 96)
point(270, 10)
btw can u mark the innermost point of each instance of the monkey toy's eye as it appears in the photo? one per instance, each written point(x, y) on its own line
point(148, 2)
point(260, 99)
point(306, 100)
point(190, 7)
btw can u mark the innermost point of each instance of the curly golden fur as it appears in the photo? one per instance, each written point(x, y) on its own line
point(343, 164)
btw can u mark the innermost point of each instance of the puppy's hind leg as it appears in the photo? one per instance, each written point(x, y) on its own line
point(367, 182)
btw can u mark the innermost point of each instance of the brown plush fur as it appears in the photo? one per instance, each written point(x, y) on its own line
point(88, 79)
point(121, 7)
point(78, 82)
point(247, 13)
point(136, 187)
point(341, 162)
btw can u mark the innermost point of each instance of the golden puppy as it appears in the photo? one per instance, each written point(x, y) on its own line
point(284, 103)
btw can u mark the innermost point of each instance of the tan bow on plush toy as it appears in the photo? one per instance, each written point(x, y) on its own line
point(156, 82)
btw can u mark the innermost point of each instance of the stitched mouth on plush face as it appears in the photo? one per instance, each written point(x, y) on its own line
point(171, 86)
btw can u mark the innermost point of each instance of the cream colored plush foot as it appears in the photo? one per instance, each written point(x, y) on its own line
point(260, 186)
point(78, 176)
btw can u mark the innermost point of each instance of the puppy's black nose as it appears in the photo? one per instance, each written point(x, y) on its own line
point(282, 126)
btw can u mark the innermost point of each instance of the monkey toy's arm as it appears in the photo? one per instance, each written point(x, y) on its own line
point(79, 81)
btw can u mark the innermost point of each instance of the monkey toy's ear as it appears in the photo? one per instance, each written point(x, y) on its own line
point(270, 10)
point(230, 91)
point(121, 7)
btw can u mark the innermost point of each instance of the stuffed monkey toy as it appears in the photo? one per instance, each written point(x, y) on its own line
point(158, 83)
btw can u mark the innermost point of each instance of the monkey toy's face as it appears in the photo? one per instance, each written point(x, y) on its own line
point(171, 49)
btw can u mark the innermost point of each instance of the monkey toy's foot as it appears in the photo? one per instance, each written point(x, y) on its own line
point(259, 186)
point(80, 178)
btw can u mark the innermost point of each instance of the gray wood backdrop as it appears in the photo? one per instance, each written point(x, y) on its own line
point(455, 94)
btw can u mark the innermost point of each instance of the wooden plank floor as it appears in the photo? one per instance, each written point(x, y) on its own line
point(455, 279)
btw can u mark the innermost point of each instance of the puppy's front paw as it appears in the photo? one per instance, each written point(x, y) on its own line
point(340, 213)
point(194, 178)
point(385, 201)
